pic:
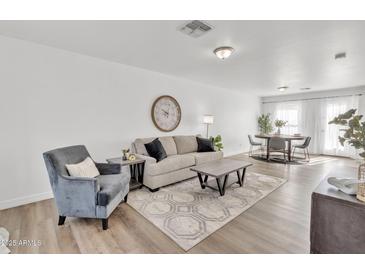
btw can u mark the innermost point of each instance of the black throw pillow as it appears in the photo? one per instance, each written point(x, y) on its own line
point(205, 145)
point(156, 150)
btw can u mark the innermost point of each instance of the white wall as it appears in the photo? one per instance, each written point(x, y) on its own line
point(52, 98)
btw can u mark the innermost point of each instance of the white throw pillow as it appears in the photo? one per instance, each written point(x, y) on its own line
point(86, 169)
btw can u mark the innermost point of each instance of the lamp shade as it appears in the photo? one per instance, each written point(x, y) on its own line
point(208, 119)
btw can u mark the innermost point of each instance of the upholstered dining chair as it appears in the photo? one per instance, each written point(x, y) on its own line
point(252, 145)
point(304, 146)
point(85, 197)
point(277, 144)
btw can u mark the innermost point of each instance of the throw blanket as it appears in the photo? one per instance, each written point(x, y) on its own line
point(4, 237)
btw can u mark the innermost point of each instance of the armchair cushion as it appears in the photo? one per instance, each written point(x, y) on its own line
point(86, 169)
point(110, 186)
point(107, 169)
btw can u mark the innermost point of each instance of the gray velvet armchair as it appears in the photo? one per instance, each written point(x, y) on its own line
point(85, 197)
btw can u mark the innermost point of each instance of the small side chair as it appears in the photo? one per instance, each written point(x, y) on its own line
point(277, 144)
point(252, 145)
point(85, 197)
point(305, 147)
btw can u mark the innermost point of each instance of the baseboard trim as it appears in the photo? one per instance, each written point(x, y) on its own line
point(25, 200)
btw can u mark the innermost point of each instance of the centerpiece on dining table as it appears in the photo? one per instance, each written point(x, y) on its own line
point(279, 124)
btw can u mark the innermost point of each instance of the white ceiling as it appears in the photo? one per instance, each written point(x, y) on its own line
point(268, 54)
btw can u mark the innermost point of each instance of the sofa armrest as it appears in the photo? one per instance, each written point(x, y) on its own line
point(148, 159)
point(106, 169)
point(76, 196)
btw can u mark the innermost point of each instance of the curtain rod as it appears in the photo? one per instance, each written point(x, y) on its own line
point(314, 98)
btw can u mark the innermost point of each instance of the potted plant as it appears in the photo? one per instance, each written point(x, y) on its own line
point(279, 124)
point(354, 134)
point(265, 124)
point(217, 142)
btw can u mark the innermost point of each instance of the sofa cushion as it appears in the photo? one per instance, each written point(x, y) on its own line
point(156, 150)
point(110, 186)
point(203, 157)
point(171, 163)
point(169, 145)
point(186, 144)
point(205, 145)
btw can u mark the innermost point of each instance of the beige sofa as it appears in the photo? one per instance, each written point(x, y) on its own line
point(181, 156)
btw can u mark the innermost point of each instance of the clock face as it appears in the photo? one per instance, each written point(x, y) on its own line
point(166, 113)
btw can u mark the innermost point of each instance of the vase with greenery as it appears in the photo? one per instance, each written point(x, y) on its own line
point(125, 154)
point(279, 124)
point(265, 124)
point(353, 129)
point(217, 142)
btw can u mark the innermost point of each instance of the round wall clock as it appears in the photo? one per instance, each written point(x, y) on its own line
point(166, 113)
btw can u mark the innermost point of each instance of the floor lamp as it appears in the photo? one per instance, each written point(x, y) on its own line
point(208, 120)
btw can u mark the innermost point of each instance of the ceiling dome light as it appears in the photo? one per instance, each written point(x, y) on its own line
point(282, 89)
point(223, 52)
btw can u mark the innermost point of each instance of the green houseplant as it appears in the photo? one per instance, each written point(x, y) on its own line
point(279, 124)
point(265, 124)
point(353, 134)
point(217, 141)
point(354, 131)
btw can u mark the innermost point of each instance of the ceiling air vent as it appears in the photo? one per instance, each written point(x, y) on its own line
point(195, 28)
point(340, 55)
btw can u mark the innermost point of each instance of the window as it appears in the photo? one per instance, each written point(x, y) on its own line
point(289, 113)
point(332, 132)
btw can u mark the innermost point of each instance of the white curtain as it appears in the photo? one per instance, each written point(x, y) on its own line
point(311, 117)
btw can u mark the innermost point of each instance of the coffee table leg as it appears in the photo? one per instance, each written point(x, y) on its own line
point(224, 184)
point(240, 182)
point(219, 186)
point(201, 180)
point(205, 178)
point(243, 176)
point(222, 189)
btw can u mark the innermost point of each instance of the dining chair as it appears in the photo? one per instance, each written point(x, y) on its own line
point(252, 145)
point(277, 144)
point(304, 146)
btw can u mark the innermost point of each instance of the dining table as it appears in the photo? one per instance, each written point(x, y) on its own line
point(287, 138)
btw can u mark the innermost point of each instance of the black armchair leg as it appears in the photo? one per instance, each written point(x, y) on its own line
point(104, 223)
point(61, 220)
point(126, 198)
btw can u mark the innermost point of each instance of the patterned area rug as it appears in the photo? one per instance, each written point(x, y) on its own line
point(189, 214)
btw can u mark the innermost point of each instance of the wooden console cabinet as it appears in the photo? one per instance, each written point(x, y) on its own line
point(337, 221)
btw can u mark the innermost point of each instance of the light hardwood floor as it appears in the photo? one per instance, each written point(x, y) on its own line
point(277, 224)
